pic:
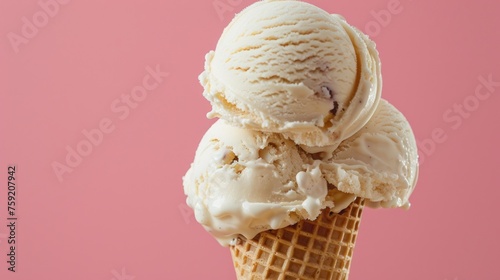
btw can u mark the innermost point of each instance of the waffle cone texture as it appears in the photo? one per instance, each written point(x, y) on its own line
point(319, 249)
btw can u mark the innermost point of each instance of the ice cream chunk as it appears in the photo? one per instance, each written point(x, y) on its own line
point(244, 182)
point(379, 162)
point(292, 68)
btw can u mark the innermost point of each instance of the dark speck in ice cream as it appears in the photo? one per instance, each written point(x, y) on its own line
point(335, 108)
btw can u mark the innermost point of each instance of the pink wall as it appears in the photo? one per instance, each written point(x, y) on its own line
point(84, 89)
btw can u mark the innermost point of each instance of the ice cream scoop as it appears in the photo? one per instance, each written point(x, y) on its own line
point(379, 162)
point(244, 182)
point(292, 68)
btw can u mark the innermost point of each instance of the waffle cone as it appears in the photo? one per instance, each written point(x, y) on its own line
point(319, 249)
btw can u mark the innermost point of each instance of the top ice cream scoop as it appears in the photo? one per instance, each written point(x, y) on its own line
point(292, 68)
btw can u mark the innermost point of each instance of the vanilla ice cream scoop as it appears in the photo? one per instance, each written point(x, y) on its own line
point(379, 162)
point(244, 182)
point(290, 67)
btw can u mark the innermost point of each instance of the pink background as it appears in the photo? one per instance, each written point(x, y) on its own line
point(120, 212)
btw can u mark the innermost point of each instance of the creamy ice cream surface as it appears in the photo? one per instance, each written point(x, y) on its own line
point(292, 68)
point(379, 162)
point(302, 124)
point(244, 181)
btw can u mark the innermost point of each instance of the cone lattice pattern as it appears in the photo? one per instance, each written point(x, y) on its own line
point(319, 249)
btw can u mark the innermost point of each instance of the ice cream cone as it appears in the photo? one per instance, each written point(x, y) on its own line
point(319, 249)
